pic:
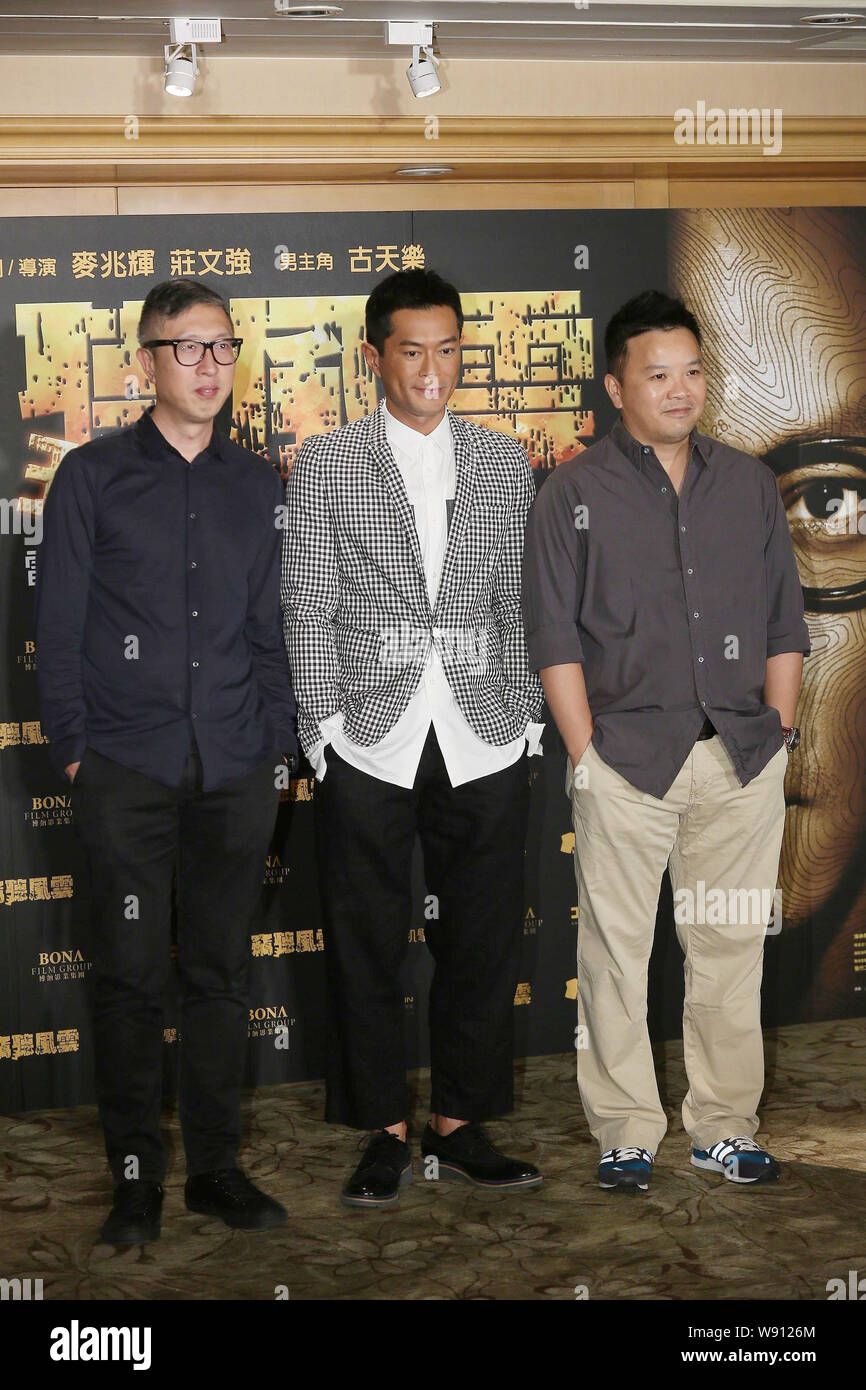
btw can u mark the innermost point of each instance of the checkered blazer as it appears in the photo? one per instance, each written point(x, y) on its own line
point(358, 620)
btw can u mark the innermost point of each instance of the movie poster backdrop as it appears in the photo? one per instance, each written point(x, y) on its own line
point(781, 296)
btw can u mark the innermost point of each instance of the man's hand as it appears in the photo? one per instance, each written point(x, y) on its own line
point(577, 753)
point(72, 769)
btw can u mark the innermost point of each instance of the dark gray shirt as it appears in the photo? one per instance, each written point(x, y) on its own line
point(671, 604)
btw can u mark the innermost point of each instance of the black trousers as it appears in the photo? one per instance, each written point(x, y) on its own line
point(472, 839)
point(136, 833)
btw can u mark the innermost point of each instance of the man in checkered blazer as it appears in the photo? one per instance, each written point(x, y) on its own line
point(416, 709)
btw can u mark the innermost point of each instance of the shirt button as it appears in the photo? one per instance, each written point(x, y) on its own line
point(195, 663)
point(192, 516)
point(703, 702)
point(646, 449)
point(696, 615)
point(195, 612)
point(664, 489)
point(193, 565)
point(689, 571)
point(700, 658)
point(682, 528)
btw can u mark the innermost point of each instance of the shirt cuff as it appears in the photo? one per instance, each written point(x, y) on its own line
point(533, 740)
point(67, 750)
point(554, 646)
point(776, 646)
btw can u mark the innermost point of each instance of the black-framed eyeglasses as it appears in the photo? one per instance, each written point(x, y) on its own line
point(189, 352)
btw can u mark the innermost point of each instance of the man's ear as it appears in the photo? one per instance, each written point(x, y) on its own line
point(371, 357)
point(611, 386)
point(145, 360)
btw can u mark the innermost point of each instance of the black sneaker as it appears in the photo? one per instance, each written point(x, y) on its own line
point(229, 1195)
point(625, 1170)
point(385, 1167)
point(134, 1218)
point(739, 1160)
point(467, 1155)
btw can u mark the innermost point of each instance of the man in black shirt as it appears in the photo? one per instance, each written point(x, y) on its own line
point(664, 612)
point(167, 700)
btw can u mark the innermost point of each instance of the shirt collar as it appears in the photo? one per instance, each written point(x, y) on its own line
point(410, 442)
point(155, 444)
point(635, 452)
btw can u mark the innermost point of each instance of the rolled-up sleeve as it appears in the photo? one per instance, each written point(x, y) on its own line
point(554, 564)
point(786, 624)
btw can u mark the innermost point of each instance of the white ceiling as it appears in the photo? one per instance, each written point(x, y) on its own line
point(737, 31)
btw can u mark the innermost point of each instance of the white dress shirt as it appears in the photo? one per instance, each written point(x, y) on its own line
point(426, 464)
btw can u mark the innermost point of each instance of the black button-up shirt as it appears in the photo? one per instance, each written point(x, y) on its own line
point(157, 608)
point(671, 604)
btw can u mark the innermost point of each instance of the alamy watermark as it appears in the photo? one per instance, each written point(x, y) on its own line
point(19, 518)
point(741, 125)
point(729, 906)
point(21, 1290)
point(409, 644)
point(854, 1288)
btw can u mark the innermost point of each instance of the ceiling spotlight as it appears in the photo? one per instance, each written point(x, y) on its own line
point(181, 63)
point(425, 171)
point(838, 17)
point(181, 69)
point(307, 11)
point(422, 75)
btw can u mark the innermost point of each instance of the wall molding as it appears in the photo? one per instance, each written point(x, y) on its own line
point(97, 150)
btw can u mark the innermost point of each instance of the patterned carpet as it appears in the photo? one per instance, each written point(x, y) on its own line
point(691, 1237)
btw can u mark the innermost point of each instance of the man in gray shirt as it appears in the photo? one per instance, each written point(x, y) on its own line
point(664, 613)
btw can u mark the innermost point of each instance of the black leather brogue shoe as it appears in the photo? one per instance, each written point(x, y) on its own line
point(385, 1167)
point(468, 1155)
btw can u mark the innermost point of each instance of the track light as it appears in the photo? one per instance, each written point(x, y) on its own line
point(181, 69)
point(422, 75)
point(181, 62)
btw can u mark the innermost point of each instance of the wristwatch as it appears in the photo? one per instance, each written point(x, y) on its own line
point(791, 735)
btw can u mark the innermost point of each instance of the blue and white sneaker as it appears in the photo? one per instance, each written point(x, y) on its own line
point(740, 1160)
point(630, 1169)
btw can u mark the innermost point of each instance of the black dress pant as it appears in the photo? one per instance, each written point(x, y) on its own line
point(136, 833)
point(472, 839)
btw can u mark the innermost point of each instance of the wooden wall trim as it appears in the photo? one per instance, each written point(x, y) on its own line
point(99, 150)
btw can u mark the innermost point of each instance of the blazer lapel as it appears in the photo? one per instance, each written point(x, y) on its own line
point(464, 467)
point(380, 452)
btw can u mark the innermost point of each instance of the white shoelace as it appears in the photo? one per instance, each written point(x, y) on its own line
point(725, 1147)
point(624, 1155)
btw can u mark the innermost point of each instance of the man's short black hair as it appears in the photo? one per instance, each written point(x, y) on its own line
point(642, 314)
point(172, 297)
point(407, 289)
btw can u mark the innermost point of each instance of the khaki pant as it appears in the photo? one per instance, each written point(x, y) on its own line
point(714, 835)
